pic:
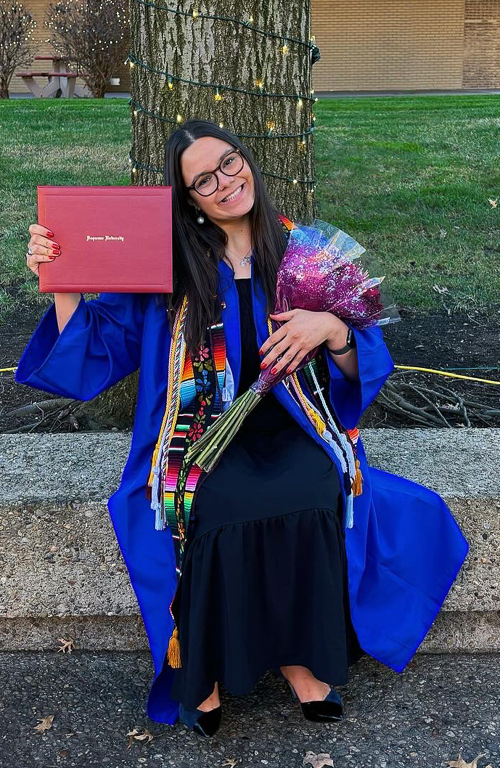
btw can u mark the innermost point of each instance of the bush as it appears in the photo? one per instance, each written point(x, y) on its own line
point(93, 35)
point(16, 37)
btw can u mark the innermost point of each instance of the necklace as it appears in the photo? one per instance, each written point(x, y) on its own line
point(246, 259)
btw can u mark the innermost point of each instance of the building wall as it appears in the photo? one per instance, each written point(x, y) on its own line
point(378, 45)
point(17, 85)
point(388, 44)
point(482, 44)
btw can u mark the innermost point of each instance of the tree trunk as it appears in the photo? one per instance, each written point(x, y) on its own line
point(209, 50)
point(4, 88)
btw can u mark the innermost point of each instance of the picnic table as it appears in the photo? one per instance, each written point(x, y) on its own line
point(61, 82)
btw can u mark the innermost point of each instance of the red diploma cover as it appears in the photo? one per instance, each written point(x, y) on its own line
point(116, 239)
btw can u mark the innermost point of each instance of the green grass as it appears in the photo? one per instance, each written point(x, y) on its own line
point(407, 176)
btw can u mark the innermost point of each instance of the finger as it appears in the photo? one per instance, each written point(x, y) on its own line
point(276, 352)
point(38, 229)
point(33, 259)
point(283, 316)
point(296, 361)
point(42, 251)
point(286, 359)
point(273, 339)
point(44, 241)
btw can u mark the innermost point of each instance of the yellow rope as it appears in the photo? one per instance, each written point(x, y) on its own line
point(445, 373)
point(407, 367)
point(170, 384)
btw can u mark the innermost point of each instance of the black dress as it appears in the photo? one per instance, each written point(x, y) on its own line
point(264, 580)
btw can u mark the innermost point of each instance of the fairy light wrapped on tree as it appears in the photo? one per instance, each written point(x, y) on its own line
point(317, 273)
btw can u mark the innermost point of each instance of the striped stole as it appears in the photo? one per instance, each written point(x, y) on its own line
point(190, 410)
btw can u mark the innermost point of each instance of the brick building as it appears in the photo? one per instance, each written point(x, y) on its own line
point(378, 45)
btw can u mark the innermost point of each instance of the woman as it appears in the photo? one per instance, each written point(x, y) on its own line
point(271, 576)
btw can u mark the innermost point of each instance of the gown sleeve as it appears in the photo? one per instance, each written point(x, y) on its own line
point(350, 398)
point(99, 345)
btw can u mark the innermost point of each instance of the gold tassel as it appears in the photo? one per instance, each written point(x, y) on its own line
point(357, 485)
point(174, 650)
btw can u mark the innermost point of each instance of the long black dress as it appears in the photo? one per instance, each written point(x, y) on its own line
point(264, 581)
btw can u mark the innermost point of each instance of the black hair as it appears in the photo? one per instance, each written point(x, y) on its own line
point(198, 248)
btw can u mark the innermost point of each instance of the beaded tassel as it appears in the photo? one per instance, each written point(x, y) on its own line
point(174, 650)
point(357, 485)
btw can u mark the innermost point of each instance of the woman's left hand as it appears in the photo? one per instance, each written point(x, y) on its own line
point(301, 331)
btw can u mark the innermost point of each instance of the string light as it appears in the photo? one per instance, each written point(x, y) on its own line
point(232, 88)
point(218, 87)
point(241, 22)
point(273, 134)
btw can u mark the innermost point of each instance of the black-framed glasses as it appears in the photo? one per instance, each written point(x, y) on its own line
point(208, 183)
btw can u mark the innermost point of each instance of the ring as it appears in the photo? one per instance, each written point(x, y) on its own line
point(30, 252)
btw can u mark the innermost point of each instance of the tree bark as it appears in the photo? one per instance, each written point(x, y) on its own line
point(223, 52)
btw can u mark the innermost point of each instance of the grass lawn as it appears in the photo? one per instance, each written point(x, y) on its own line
point(408, 176)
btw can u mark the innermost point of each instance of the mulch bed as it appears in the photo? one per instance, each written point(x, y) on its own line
point(433, 340)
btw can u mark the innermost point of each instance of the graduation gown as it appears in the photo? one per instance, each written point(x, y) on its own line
point(404, 550)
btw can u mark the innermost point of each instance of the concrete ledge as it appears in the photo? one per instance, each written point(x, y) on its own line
point(62, 573)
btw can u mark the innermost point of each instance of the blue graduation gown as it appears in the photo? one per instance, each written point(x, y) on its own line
point(405, 548)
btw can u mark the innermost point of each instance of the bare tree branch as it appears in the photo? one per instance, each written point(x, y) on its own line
point(91, 34)
point(16, 41)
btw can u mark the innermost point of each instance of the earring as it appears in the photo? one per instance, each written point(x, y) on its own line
point(200, 218)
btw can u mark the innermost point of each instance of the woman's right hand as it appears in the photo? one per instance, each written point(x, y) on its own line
point(44, 249)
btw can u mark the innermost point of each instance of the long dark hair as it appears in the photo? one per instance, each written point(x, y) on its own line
point(198, 248)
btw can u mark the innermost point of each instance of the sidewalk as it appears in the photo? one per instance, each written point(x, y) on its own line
point(440, 705)
point(329, 94)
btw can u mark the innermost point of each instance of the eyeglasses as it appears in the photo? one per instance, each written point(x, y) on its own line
point(208, 183)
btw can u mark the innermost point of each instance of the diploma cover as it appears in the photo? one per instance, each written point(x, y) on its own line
point(116, 239)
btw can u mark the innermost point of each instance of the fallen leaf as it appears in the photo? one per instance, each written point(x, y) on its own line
point(146, 735)
point(461, 764)
point(44, 724)
point(440, 289)
point(318, 761)
point(231, 761)
point(135, 734)
point(493, 203)
point(67, 645)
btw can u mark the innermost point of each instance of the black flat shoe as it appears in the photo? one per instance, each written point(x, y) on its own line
point(204, 723)
point(329, 708)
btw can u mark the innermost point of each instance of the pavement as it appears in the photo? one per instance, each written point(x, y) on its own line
point(440, 706)
point(333, 94)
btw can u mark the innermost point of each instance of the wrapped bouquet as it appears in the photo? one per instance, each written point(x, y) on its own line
point(318, 272)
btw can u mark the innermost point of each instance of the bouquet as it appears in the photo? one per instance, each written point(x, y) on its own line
point(318, 273)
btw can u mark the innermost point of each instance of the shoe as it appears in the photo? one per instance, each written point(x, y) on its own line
point(329, 708)
point(204, 723)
